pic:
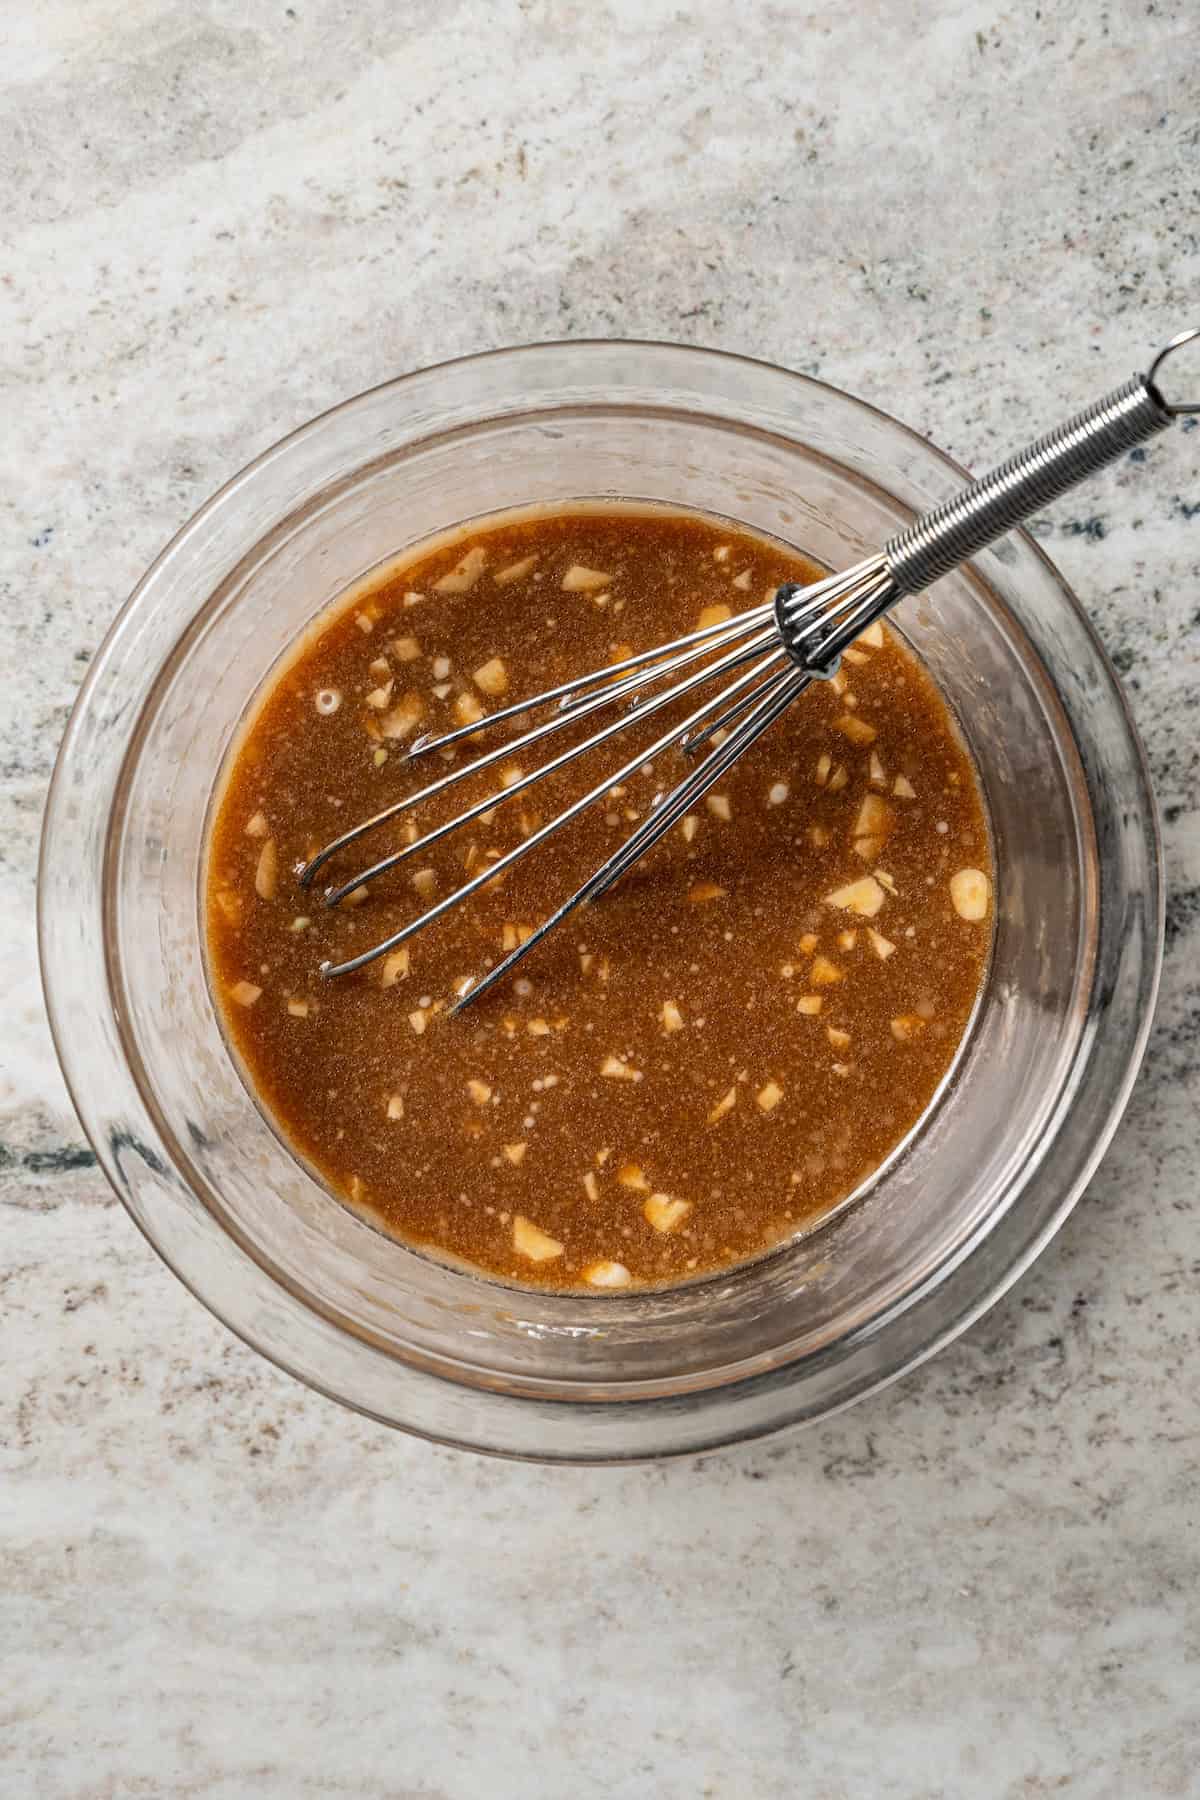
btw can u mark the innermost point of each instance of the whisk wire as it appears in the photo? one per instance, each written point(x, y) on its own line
point(784, 689)
point(817, 623)
point(696, 740)
point(540, 835)
point(503, 752)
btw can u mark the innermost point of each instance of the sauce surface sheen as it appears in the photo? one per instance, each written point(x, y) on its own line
point(682, 1075)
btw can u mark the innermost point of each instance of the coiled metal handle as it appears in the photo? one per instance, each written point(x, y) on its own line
point(942, 539)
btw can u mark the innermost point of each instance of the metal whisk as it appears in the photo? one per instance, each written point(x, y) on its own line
point(763, 659)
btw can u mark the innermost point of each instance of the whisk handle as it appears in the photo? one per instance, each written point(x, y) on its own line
point(960, 527)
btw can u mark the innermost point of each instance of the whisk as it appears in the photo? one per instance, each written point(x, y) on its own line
point(762, 659)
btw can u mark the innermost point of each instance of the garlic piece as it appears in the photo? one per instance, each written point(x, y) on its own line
point(672, 1018)
point(230, 903)
point(725, 1104)
point(515, 1153)
point(616, 1070)
point(769, 1096)
point(970, 891)
point(664, 1213)
point(514, 571)
point(394, 966)
point(403, 718)
point(857, 730)
point(713, 615)
point(825, 973)
point(467, 710)
point(245, 992)
point(863, 897)
point(529, 1241)
point(266, 871)
point(607, 1275)
point(492, 677)
point(480, 1092)
point(879, 944)
point(465, 573)
point(875, 817)
point(579, 579)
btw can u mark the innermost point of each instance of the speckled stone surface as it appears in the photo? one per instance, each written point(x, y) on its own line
point(219, 218)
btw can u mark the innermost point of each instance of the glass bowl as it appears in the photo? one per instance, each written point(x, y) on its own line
point(948, 1223)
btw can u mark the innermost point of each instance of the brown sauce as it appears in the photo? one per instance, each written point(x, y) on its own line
point(705, 1062)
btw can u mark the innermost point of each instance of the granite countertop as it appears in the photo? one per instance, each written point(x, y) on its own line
point(222, 217)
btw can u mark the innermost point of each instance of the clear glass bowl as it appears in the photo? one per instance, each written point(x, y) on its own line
point(947, 1225)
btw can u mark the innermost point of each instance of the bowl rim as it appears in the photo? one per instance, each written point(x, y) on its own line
point(967, 1313)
